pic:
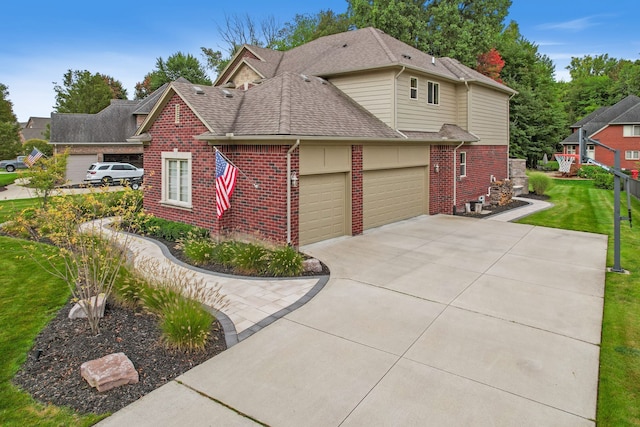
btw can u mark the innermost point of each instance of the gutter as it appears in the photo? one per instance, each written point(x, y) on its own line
point(455, 180)
point(293, 147)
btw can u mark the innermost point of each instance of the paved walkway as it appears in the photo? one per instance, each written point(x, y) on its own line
point(437, 320)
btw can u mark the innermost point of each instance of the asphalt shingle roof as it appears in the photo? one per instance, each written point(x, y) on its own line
point(623, 112)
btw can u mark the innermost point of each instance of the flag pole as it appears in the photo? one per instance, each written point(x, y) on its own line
point(255, 183)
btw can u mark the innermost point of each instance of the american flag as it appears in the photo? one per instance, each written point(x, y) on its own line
point(226, 176)
point(33, 157)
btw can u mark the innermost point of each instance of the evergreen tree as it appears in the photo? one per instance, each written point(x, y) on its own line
point(84, 92)
point(10, 145)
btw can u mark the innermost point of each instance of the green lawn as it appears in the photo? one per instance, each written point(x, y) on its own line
point(579, 206)
point(7, 178)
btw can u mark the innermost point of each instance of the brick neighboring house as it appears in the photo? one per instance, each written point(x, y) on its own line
point(345, 133)
point(34, 128)
point(617, 126)
point(101, 137)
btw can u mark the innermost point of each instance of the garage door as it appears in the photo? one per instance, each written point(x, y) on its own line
point(77, 165)
point(322, 207)
point(392, 195)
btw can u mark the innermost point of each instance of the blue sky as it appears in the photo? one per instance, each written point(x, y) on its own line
point(41, 40)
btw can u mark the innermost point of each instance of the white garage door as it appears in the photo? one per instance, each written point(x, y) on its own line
point(77, 166)
point(392, 195)
point(322, 207)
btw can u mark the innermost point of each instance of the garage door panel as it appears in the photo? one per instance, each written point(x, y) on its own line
point(77, 166)
point(393, 195)
point(322, 207)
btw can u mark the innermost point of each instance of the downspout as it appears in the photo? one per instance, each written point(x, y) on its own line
point(395, 99)
point(293, 147)
point(455, 178)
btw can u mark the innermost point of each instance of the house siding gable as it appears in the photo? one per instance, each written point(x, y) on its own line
point(489, 115)
point(417, 114)
point(372, 90)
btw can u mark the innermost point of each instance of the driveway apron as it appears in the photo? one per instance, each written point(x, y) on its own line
point(437, 320)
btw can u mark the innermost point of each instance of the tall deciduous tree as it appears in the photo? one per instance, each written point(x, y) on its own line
point(306, 28)
point(176, 66)
point(84, 92)
point(491, 64)
point(538, 120)
point(9, 128)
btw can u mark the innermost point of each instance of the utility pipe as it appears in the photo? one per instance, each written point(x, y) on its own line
point(293, 147)
point(455, 177)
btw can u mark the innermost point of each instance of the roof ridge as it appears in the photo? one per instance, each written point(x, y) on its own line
point(384, 46)
point(284, 126)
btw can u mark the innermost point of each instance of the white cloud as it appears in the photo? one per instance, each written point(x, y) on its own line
point(572, 25)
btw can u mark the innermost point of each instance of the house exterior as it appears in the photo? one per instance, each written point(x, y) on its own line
point(345, 133)
point(101, 137)
point(34, 128)
point(617, 126)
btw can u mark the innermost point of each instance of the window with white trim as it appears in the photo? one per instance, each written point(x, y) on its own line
point(631, 130)
point(433, 93)
point(632, 155)
point(176, 179)
point(571, 149)
point(413, 88)
point(463, 164)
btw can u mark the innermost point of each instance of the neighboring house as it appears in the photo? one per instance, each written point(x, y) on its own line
point(617, 126)
point(34, 128)
point(345, 133)
point(101, 137)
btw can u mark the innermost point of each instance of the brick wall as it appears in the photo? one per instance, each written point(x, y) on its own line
point(356, 190)
point(483, 161)
point(613, 137)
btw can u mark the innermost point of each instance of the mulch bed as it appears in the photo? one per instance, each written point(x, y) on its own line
point(51, 373)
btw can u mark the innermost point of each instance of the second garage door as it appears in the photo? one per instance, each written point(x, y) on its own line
point(77, 166)
point(322, 207)
point(392, 195)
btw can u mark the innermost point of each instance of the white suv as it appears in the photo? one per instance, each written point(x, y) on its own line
point(109, 173)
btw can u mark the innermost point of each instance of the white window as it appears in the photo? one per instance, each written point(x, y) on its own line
point(433, 93)
point(571, 149)
point(463, 164)
point(631, 130)
point(632, 155)
point(176, 179)
point(591, 151)
point(413, 88)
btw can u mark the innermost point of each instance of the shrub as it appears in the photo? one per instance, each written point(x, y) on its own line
point(552, 165)
point(198, 250)
point(170, 230)
point(225, 252)
point(589, 171)
point(250, 258)
point(603, 180)
point(285, 262)
point(185, 324)
point(539, 182)
point(128, 288)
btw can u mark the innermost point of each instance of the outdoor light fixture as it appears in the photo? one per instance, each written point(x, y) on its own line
point(294, 179)
point(436, 168)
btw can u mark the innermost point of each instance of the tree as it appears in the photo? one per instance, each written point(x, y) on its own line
point(47, 174)
point(41, 144)
point(10, 145)
point(84, 92)
point(306, 28)
point(491, 64)
point(537, 119)
point(176, 66)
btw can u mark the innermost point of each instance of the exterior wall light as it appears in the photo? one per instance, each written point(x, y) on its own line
point(294, 179)
point(436, 168)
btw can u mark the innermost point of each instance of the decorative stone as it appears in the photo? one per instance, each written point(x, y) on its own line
point(77, 311)
point(109, 372)
point(312, 265)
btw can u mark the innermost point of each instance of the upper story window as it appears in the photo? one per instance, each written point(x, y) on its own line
point(463, 164)
point(632, 155)
point(631, 130)
point(414, 88)
point(433, 93)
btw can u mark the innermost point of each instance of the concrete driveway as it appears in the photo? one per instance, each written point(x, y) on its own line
point(433, 321)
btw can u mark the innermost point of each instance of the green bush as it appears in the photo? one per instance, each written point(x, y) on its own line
point(589, 171)
point(225, 252)
point(539, 183)
point(552, 165)
point(170, 230)
point(250, 258)
point(128, 288)
point(199, 250)
point(186, 324)
point(284, 262)
point(603, 180)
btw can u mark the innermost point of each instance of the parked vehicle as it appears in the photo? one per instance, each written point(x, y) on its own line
point(12, 165)
point(113, 173)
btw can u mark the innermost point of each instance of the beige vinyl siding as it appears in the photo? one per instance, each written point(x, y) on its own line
point(462, 99)
point(373, 90)
point(417, 114)
point(489, 115)
point(320, 159)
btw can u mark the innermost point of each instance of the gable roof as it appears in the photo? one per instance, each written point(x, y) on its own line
point(626, 111)
point(352, 51)
point(34, 128)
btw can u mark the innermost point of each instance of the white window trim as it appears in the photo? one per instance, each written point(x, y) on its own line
point(463, 154)
point(174, 155)
point(411, 88)
point(631, 131)
point(632, 155)
point(434, 92)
